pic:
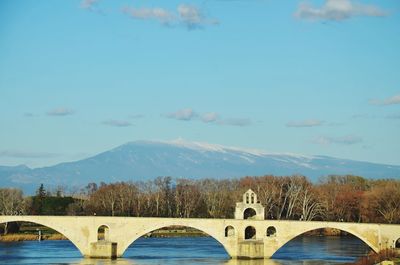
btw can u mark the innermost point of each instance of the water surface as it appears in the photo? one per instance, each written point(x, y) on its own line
point(187, 250)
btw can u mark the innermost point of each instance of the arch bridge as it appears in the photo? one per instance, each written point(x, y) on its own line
point(246, 238)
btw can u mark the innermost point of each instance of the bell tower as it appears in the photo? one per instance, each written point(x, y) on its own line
point(250, 207)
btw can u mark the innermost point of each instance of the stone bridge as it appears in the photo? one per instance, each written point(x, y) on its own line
point(245, 238)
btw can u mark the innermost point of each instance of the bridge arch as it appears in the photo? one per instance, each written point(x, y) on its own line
point(33, 220)
point(221, 239)
point(350, 231)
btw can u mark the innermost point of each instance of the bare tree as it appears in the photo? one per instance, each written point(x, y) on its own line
point(385, 199)
point(295, 187)
point(187, 198)
point(219, 197)
point(11, 203)
point(311, 207)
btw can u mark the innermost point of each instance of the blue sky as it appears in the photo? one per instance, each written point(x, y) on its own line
point(309, 77)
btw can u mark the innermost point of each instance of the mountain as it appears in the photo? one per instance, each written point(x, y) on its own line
point(143, 160)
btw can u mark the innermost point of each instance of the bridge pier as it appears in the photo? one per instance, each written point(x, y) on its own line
point(250, 249)
point(103, 250)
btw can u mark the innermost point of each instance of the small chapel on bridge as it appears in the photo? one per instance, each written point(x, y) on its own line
point(249, 207)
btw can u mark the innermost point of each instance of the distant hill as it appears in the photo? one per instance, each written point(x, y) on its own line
point(142, 160)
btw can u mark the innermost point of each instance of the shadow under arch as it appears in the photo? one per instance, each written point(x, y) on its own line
point(352, 233)
point(161, 226)
point(23, 220)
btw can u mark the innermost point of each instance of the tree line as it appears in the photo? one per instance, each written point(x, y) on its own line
point(333, 198)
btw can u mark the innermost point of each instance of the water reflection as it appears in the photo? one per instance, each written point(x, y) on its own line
point(204, 261)
point(124, 261)
point(105, 262)
point(252, 262)
point(279, 262)
point(325, 250)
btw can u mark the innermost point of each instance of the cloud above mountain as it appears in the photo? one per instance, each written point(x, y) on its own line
point(61, 111)
point(158, 14)
point(188, 114)
point(117, 123)
point(305, 123)
point(337, 10)
point(342, 140)
point(189, 16)
point(88, 4)
point(394, 100)
point(241, 122)
point(192, 17)
point(395, 116)
point(210, 117)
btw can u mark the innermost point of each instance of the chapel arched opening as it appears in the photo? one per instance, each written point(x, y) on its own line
point(229, 231)
point(103, 233)
point(250, 233)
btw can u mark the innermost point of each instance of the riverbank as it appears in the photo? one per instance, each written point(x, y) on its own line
point(31, 232)
point(30, 237)
point(177, 232)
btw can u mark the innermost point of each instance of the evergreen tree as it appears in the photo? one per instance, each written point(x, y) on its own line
point(38, 200)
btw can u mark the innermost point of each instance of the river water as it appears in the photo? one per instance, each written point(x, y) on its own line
point(187, 250)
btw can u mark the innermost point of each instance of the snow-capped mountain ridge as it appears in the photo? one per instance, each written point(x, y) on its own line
point(208, 147)
point(142, 160)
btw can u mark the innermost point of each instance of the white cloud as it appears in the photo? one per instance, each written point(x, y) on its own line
point(209, 117)
point(88, 4)
point(392, 100)
point(388, 101)
point(362, 116)
point(305, 123)
point(117, 123)
point(393, 116)
point(192, 17)
point(337, 10)
point(188, 15)
point(159, 14)
point(189, 114)
point(183, 115)
point(29, 114)
point(60, 112)
point(136, 116)
point(343, 140)
point(241, 122)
